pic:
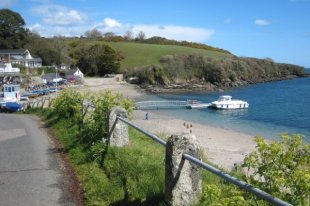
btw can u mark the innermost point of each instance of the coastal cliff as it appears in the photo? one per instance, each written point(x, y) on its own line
point(198, 72)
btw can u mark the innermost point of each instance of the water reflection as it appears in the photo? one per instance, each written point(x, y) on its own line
point(231, 113)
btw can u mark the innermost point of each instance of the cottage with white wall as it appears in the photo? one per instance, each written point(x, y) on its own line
point(74, 74)
point(20, 56)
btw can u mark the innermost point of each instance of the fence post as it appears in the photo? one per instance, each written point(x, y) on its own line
point(43, 102)
point(49, 102)
point(85, 106)
point(182, 178)
point(119, 136)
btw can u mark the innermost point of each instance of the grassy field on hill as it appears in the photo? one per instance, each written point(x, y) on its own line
point(138, 54)
point(166, 64)
point(144, 54)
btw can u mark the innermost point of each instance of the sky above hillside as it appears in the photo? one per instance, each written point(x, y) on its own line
point(277, 29)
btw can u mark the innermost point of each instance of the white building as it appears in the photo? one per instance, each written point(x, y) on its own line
point(74, 74)
point(20, 56)
point(6, 68)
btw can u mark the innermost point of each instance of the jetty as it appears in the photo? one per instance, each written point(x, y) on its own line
point(170, 104)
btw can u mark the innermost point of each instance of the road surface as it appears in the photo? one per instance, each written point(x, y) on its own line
point(29, 171)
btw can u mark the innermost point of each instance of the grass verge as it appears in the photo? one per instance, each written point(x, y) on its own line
point(133, 175)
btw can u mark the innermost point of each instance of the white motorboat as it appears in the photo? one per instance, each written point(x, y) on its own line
point(226, 102)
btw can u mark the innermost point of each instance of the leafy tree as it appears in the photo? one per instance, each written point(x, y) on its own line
point(213, 74)
point(281, 168)
point(128, 35)
point(99, 60)
point(13, 35)
point(93, 34)
point(140, 36)
point(49, 56)
point(43, 48)
point(108, 35)
point(152, 74)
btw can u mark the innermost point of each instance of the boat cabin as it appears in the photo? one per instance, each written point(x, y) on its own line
point(224, 98)
point(11, 92)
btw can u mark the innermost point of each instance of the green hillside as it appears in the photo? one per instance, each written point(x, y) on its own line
point(162, 64)
point(139, 54)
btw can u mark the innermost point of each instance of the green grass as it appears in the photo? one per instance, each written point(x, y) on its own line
point(133, 175)
point(138, 54)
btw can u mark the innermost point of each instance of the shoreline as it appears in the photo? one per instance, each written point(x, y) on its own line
point(223, 147)
point(207, 87)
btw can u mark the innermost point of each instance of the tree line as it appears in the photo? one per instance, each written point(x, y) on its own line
point(222, 72)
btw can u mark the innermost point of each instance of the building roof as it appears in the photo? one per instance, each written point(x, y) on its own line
point(50, 76)
point(13, 51)
point(17, 54)
point(70, 72)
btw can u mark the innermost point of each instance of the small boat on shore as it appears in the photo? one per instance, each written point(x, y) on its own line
point(10, 106)
point(226, 102)
point(194, 104)
point(11, 95)
point(13, 106)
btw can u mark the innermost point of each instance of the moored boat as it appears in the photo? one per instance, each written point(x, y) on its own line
point(194, 104)
point(11, 92)
point(13, 106)
point(11, 95)
point(226, 102)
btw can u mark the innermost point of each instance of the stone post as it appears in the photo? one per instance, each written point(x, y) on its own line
point(182, 178)
point(43, 102)
point(119, 136)
point(84, 110)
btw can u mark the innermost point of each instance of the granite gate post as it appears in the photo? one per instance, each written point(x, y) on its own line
point(119, 137)
point(182, 178)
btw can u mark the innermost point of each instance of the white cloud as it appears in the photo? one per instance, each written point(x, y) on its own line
point(167, 31)
point(37, 28)
point(68, 28)
point(50, 31)
point(7, 3)
point(59, 15)
point(262, 22)
point(111, 25)
point(108, 22)
point(175, 32)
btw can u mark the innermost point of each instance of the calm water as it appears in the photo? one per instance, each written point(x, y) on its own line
point(275, 108)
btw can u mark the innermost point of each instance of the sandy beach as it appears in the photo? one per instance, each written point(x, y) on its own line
point(223, 147)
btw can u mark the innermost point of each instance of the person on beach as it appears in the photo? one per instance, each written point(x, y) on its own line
point(147, 116)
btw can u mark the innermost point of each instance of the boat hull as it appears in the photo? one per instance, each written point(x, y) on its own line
point(230, 106)
point(198, 106)
point(10, 106)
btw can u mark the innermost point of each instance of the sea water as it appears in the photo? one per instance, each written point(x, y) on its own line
point(275, 108)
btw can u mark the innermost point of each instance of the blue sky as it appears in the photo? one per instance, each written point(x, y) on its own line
point(277, 29)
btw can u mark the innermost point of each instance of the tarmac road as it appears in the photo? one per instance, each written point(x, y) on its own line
point(29, 171)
